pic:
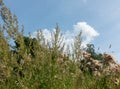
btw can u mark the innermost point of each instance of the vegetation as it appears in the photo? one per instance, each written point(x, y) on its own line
point(90, 49)
point(33, 63)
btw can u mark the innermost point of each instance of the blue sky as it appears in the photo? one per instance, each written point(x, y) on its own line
point(103, 16)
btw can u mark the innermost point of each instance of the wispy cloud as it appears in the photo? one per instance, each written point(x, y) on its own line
point(88, 32)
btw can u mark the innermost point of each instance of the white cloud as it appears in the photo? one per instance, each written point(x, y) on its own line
point(88, 33)
point(47, 34)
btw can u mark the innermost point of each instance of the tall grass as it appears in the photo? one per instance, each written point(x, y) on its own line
point(31, 63)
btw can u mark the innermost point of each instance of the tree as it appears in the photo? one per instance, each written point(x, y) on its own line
point(91, 49)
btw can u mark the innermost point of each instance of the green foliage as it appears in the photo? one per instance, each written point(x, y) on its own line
point(90, 49)
point(34, 64)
